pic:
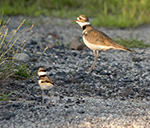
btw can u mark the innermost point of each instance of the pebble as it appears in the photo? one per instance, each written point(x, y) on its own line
point(23, 57)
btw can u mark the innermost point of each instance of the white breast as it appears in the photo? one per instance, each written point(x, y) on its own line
point(96, 46)
point(39, 81)
point(46, 86)
point(42, 73)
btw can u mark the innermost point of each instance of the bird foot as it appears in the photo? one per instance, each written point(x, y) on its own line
point(91, 68)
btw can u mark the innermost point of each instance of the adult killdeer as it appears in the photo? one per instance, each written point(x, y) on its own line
point(97, 40)
point(44, 81)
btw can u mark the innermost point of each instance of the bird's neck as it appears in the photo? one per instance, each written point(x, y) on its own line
point(85, 26)
point(40, 77)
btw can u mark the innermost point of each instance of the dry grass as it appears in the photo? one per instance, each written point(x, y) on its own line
point(8, 67)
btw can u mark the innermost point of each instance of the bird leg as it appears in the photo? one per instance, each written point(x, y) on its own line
point(42, 96)
point(50, 95)
point(96, 57)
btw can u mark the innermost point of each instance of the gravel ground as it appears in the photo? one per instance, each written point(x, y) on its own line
point(116, 94)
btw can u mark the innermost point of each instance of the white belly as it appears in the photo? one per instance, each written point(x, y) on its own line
point(96, 46)
point(45, 86)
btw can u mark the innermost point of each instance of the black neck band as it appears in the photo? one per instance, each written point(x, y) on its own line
point(84, 27)
point(42, 76)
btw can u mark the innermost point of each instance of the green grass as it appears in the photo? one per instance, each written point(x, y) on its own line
point(4, 97)
point(132, 43)
point(14, 71)
point(22, 71)
point(119, 13)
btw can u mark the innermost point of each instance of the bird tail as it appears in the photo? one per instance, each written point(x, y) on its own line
point(126, 49)
point(118, 46)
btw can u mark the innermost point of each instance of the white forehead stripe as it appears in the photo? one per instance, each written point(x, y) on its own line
point(82, 17)
point(83, 24)
point(41, 73)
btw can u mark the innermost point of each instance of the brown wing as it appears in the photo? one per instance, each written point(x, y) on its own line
point(46, 79)
point(99, 38)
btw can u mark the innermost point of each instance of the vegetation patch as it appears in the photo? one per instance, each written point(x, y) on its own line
point(8, 67)
point(122, 13)
point(4, 97)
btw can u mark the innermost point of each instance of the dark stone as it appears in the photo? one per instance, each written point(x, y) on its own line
point(6, 115)
point(134, 59)
point(122, 98)
point(38, 99)
point(81, 112)
point(33, 42)
point(69, 101)
point(66, 106)
point(74, 53)
point(78, 101)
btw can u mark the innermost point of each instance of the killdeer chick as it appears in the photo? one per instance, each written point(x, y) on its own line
point(44, 81)
point(96, 40)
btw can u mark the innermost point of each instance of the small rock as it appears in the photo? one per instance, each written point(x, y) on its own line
point(51, 45)
point(6, 115)
point(22, 57)
point(66, 106)
point(34, 42)
point(76, 44)
point(69, 101)
point(81, 111)
point(135, 59)
point(52, 35)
